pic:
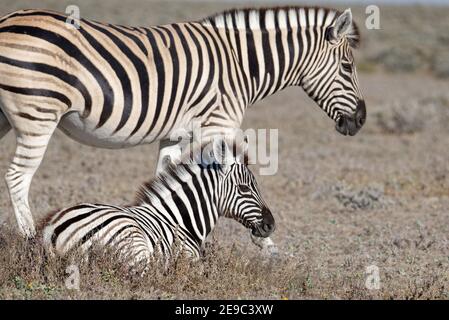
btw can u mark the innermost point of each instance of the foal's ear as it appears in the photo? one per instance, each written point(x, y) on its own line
point(341, 27)
point(215, 152)
point(222, 154)
point(241, 152)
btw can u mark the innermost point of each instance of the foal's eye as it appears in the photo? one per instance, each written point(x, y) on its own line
point(244, 188)
point(347, 67)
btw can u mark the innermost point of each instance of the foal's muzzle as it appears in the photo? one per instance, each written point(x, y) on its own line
point(351, 124)
point(266, 227)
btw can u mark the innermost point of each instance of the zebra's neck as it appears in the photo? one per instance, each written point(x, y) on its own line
point(273, 47)
point(187, 195)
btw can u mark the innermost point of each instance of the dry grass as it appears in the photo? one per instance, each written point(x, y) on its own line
point(28, 272)
point(224, 273)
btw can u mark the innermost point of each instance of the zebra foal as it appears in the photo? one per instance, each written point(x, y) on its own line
point(183, 203)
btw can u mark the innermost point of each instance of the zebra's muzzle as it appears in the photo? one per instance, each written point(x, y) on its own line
point(263, 230)
point(351, 124)
point(266, 227)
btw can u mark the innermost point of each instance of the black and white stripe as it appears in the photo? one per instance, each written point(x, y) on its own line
point(181, 205)
point(114, 86)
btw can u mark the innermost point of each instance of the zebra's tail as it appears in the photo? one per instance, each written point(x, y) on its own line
point(47, 236)
point(46, 228)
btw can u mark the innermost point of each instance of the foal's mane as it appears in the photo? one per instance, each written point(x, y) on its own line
point(162, 185)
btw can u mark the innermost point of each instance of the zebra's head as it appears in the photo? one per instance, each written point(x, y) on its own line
point(240, 197)
point(332, 80)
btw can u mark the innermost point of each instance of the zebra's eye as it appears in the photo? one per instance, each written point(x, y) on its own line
point(347, 67)
point(244, 188)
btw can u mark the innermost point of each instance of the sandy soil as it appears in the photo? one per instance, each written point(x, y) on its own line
point(342, 204)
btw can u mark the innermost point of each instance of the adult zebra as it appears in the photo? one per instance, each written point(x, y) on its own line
point(114, 87)
point(182, 203)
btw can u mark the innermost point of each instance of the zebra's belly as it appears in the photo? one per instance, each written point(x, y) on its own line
point(80, 130)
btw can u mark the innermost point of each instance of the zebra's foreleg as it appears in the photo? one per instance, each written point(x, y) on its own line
point(30, 149)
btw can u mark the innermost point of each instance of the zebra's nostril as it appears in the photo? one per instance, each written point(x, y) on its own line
point(341, 122)
point(360, 115)
point(342, 125)
point(268, 227)
point(361, 121)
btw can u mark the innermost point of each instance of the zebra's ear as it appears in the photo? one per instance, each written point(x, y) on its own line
point(215, 152)
point(341, 27)
point(221, 151)
point(242, 147)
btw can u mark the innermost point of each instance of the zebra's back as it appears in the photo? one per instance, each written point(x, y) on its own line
point(135, 232)
point(87, 225)
point(127, 85)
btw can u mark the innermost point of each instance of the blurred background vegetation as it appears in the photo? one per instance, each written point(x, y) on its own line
point(412, 38)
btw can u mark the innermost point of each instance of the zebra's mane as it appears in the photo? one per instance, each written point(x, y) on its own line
point(167, 181)
point(279, 18)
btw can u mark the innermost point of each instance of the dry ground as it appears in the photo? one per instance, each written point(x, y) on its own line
point(342, 204)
